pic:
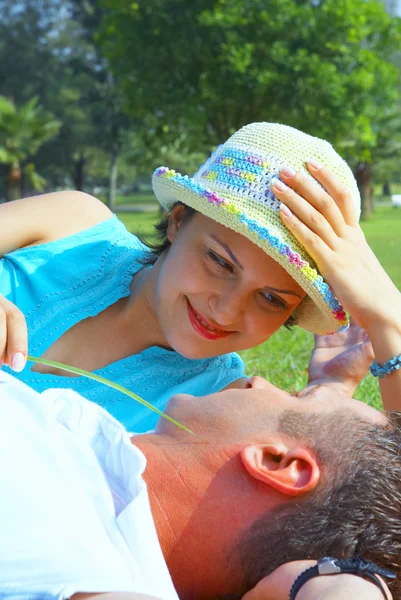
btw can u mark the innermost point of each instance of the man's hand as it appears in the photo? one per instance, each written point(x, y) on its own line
point(341, 360)
point(277, 586)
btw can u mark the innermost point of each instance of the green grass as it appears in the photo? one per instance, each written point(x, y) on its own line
point(141, 198)
point(284, 358)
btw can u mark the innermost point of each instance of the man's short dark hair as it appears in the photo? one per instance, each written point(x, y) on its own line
point(355, 511)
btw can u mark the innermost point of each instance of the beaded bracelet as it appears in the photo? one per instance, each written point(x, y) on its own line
point(382, 370)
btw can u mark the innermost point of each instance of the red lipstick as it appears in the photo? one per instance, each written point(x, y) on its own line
point(198, 322)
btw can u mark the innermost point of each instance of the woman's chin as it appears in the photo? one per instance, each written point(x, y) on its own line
point(192, 350)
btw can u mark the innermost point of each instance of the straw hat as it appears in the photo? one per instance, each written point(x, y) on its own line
point(233, 188)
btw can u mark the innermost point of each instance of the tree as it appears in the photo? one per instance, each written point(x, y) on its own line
point(111, 123)
point(51, 46)
point(211, 66)
point(22, 131)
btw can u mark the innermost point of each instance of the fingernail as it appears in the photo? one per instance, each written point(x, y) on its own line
point(314, 163)
point(288, 171)
point(18, 362)
point(278, 184)
point(284, 208)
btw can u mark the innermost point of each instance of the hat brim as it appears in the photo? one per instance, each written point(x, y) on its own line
point(320, 311)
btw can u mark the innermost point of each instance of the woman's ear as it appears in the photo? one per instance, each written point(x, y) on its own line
point(290, 471)
point(175, 220)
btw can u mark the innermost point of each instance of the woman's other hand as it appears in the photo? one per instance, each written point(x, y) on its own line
point(341, 360)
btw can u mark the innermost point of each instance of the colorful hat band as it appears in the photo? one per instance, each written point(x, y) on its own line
point(241, 179)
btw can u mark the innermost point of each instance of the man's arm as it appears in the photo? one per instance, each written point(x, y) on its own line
point(277, 586)
point(114, 596)
point(346, 587)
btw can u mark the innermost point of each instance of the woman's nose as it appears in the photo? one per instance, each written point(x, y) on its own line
point(226, 309)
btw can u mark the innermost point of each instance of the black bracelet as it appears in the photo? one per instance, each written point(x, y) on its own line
point(333, 566)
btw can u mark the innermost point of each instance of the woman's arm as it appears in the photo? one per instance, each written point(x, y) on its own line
point(30, 222)
point(48, 217)
point(326, 224)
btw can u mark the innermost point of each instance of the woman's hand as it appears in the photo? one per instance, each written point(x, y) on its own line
point(341, 360)
point(13, 336)
point(326, 224)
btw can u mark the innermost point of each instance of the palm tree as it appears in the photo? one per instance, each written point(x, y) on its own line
point(22, 131)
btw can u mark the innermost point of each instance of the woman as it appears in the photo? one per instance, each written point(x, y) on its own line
point(236, 264)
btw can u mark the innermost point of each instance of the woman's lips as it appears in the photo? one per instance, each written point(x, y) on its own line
point(202, 326)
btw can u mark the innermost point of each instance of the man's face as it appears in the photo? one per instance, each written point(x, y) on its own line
point(246, 415)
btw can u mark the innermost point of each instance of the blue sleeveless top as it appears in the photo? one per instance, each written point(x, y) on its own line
point(60, 283)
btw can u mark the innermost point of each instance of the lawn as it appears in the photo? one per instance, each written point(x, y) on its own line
point(283, 359)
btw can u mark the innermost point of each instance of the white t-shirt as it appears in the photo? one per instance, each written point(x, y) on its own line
point(74, 509)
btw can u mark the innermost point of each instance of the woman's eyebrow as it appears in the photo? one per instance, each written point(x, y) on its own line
point(289, 292)
point(229, 252)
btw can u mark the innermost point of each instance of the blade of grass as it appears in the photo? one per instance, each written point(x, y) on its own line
point(111, 384)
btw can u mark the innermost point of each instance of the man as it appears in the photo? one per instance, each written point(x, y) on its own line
point(273, 479)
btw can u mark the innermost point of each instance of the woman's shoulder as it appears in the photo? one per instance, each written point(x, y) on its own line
point(105, 233)
point(204, 375)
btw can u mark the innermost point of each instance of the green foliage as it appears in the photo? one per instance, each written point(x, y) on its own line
point(23, 131)
point(211, 66)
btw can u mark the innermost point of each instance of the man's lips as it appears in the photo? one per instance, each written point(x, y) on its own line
point(203, 327)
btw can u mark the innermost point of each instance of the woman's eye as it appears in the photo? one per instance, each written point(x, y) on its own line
point(273, 300)
point(219, 261)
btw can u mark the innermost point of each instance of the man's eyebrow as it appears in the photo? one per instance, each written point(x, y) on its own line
point(229, 251)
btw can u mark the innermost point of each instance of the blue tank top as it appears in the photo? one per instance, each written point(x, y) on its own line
point(60, 283)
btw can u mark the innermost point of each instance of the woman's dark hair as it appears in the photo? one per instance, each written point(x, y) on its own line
point(162, 243)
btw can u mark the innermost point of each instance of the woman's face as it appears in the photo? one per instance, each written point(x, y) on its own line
point(217, 292)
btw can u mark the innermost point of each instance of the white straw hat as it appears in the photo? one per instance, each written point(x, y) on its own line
point(233, 188)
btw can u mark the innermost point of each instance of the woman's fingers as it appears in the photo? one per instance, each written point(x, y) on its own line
point(310, 240)
point(13, 335)
point(3, 336)
point(305, 213)
point(316, 197)
point(336, 189)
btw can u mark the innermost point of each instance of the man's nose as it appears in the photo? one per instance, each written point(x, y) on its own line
point(258, 383)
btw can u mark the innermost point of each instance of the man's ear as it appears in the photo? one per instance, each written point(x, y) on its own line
point(290, 471)
point(174, 221)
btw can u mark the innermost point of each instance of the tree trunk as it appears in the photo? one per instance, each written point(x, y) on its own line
point(79, 173)
point(387, 189)
point(13, 183)
point(363, 177)
point(113, 174)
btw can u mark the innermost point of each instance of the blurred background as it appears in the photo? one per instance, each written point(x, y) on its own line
point(95, 94)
